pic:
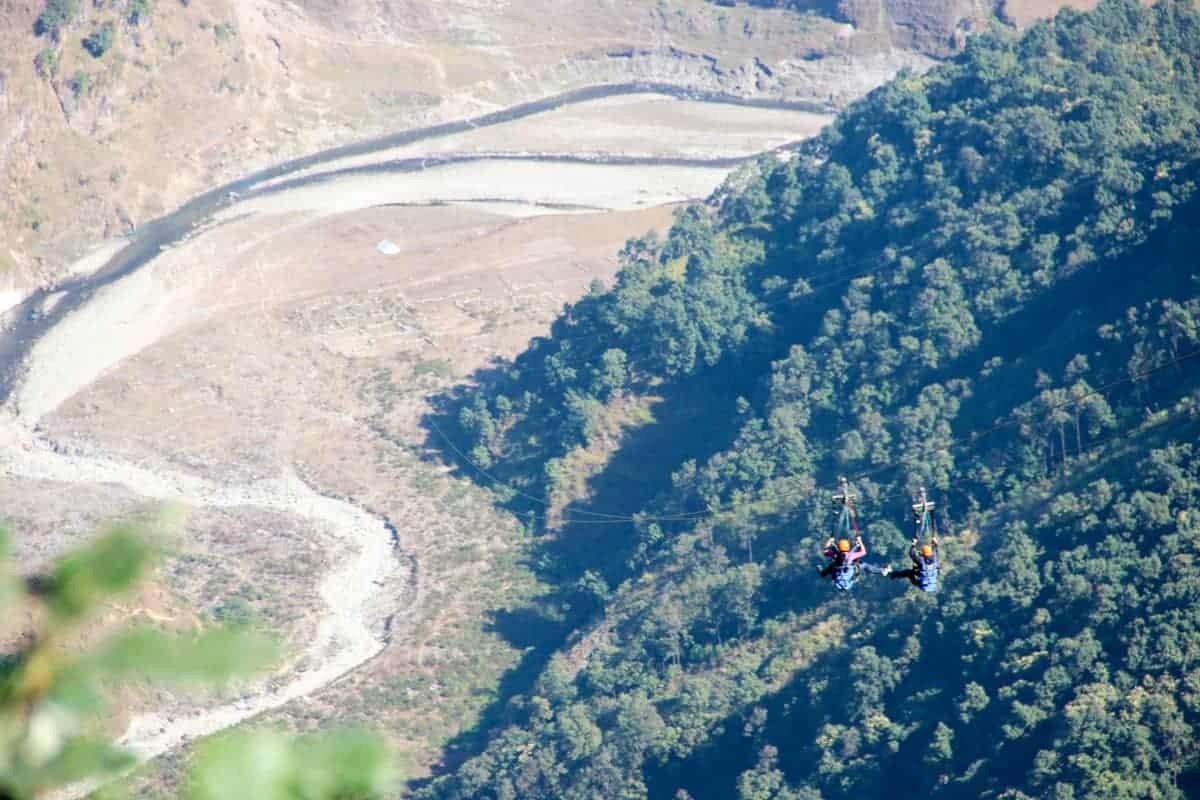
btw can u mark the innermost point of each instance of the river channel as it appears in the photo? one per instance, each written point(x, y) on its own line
point(630, 148)
point(29, 320)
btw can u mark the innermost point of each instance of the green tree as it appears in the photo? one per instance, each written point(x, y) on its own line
point(55, 16)
point(100, 41)
point(766, 781)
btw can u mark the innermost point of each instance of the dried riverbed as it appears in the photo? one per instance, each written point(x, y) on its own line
point(222, 338)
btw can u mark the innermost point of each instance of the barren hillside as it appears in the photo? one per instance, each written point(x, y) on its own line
point(185, 95)
point(191, 94)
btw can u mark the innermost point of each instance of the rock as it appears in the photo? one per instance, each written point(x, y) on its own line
point(1024, 13)
point(933, 27)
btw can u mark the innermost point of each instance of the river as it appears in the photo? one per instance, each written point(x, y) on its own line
point(29, 320)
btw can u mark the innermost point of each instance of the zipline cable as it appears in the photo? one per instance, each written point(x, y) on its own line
point(954, 442)
point(964, 441)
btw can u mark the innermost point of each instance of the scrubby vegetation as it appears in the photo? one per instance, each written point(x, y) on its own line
point(139, 11)
point(54, 16)
point(46, 62)
point(100, 41)
point(982, 280)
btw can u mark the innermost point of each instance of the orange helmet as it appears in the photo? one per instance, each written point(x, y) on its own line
point(926, 550)
point(844, 545)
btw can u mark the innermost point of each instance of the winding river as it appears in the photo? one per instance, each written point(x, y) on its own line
point(364, 541)
point(27, 326)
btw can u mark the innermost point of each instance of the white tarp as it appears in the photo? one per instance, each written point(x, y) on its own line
point(387, 247)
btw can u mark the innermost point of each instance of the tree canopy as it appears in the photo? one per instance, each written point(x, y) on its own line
point(981, 280)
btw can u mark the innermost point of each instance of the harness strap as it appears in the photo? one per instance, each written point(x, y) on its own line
point(923, 516)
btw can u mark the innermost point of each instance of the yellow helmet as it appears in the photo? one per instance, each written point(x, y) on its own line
point(926, 550)
point(844, 545)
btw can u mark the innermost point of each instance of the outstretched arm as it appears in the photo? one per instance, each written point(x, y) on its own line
point(859, 550)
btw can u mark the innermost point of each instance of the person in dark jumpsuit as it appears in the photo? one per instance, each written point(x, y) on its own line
point(924, 572)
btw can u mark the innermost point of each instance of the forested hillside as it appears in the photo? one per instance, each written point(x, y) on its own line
point(982, 280)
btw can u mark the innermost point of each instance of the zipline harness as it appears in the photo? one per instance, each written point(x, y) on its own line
point(847, 572)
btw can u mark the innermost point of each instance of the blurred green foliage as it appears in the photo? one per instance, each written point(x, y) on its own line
point(271, 766)
point(53, 695)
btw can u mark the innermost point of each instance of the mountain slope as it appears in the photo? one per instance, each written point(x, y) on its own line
point(981, 280)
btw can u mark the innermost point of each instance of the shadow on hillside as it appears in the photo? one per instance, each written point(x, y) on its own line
point(693, 420)
point(539, 635)
point(1063, 322)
